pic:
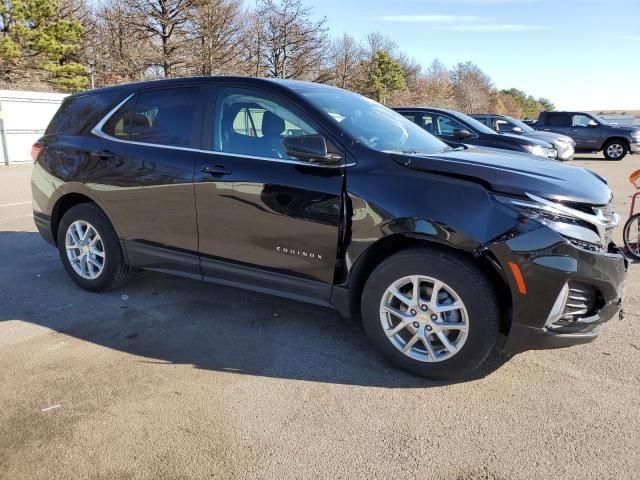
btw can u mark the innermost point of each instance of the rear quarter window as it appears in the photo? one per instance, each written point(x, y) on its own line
point(78, 114)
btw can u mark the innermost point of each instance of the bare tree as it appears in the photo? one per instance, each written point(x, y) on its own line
point(113, 53)
point(294, 45)
point(216, 31)
point(345, 62)
point(165, 22)
point(377, 42)
point(472, 88)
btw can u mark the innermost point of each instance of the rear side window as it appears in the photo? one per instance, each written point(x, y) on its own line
point(557, 120)
point(77, 114)
point(163, 117)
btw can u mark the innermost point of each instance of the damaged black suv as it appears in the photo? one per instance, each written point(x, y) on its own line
point(321, 195)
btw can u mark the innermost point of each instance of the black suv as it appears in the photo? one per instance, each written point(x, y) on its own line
point(457, 129)
point(321, 195)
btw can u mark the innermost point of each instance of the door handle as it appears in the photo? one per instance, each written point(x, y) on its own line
point(102, 154)
point(217, 170)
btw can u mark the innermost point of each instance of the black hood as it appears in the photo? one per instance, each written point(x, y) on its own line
point(515, 174)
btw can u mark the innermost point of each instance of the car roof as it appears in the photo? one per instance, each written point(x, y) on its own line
point(255, 81)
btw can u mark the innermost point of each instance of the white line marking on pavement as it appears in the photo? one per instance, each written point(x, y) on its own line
point(13, 204)
point(50, 408)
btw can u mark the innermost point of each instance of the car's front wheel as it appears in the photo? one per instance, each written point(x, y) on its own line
point(432, 313)
point(90, 250)
point(615, 150)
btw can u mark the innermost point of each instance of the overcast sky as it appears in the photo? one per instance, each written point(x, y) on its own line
point(581, 54)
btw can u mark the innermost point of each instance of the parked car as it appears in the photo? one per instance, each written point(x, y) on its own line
point(592, 134)
point(457, 129)
point(504, 124)
point(320, 195)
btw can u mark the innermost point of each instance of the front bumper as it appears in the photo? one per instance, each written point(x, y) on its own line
point(634, 147)
point(565, 151)
point(544, 317)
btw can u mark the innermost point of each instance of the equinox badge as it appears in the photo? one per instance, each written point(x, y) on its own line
point(300, 253)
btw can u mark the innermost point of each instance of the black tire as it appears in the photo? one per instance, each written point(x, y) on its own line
point(471, 285)
point(621, 144)
point(631, 242)
point(115, 270)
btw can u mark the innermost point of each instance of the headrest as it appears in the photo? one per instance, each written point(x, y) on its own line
point(272, 125)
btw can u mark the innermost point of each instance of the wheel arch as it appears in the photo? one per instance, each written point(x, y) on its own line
point(617, 138)
point(63, 204)
point(395, 243)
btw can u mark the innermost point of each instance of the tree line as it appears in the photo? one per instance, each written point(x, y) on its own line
point(70, 45)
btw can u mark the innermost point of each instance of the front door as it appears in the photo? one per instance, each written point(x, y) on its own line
point(258, 207)
point(585, 131)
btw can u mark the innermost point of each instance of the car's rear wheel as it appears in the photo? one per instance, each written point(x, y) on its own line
point(615, 150)
point(90, 250)
point(431, 313)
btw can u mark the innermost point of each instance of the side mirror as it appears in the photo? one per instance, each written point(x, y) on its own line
point(462, 133)
point(517, 130)
point(592, 124)
point(311, 148)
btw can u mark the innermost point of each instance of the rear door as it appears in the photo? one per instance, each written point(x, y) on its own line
point(142, 161)
point(257, 207)
point(558, 122)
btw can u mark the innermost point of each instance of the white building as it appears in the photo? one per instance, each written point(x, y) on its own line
point(24, 116)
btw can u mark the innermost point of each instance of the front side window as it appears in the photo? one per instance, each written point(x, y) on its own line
point(254, 123)
point(447, 126)
point(581, 121)
point(162, 117)
point(503, 126)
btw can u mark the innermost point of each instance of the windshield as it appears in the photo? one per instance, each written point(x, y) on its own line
point(526, 128)
point(601, 120)
point(371, 123)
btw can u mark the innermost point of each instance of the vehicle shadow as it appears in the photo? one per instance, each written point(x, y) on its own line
point(166, 319)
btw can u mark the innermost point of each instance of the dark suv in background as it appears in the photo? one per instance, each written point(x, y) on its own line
point(505, 124)
point(592, 134)
point(320, 195)
point(457, 129)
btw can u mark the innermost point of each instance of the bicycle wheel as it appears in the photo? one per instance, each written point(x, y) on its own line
point(631, 235)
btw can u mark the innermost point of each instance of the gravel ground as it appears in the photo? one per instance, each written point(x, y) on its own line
point(173, 378)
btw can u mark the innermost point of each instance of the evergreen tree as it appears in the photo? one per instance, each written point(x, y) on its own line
point(384, 75)
point(34, 37)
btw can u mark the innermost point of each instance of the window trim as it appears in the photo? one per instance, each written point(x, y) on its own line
point(97, 131)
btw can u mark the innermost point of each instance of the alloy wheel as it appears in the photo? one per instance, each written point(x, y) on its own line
point(424, 318)
point(615, 150)
point(85, 250)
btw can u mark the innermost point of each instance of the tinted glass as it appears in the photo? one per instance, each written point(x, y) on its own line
point(446, 126)
point(370, 123)
point(77, 114)
point(255, 123)
point(557, 120)
point(165, 117)
point(118, 124)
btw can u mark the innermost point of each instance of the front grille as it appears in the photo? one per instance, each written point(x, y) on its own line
point(582, 302)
